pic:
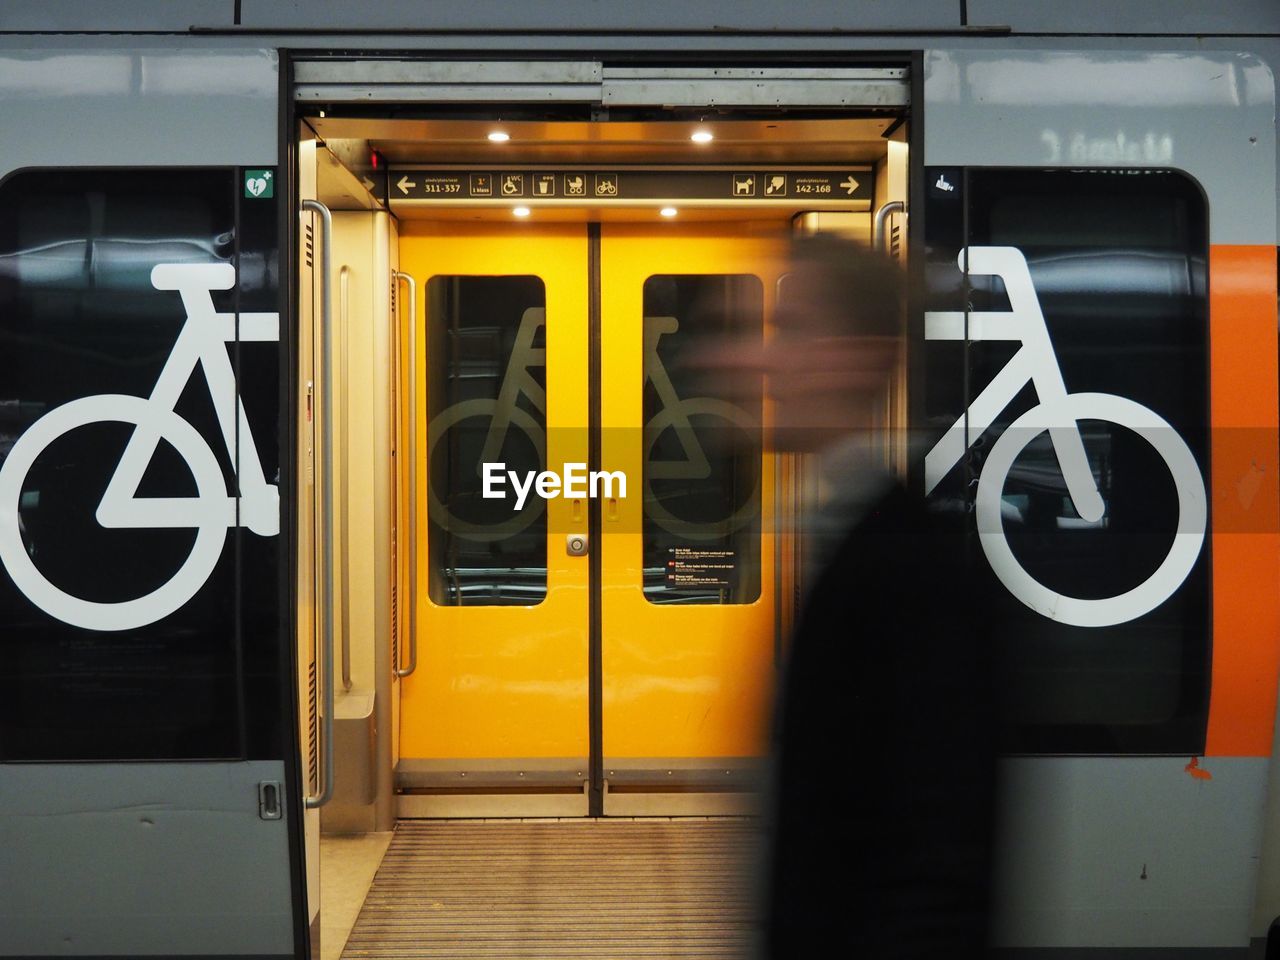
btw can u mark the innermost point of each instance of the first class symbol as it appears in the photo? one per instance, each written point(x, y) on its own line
point(481, 185)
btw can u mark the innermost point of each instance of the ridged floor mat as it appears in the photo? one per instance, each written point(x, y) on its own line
point(606, 889)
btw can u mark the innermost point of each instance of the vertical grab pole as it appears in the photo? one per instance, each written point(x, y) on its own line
point(344, 301)
point(412, 284)
point(326, 473)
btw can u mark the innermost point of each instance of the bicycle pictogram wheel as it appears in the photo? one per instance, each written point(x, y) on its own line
point(210, 512)
point(486, 410)
point(1187, 540)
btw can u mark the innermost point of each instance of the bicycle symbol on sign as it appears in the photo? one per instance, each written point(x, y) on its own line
point(1060, 413)
point(201, 341)
point(676, 414)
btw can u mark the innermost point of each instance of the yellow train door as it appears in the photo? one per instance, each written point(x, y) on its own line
point(527, 693)
point(499, 695)
point(688, 573)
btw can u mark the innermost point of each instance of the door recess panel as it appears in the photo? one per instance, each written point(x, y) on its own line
point(502, 606)
point(688, 557)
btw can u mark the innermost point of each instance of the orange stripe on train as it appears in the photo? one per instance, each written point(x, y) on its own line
point(1245, 507)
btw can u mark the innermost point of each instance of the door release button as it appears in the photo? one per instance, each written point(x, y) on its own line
point(575, 544)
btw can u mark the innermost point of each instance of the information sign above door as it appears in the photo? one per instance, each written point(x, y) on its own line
point(848, 187)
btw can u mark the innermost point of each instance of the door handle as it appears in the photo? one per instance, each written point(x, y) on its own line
point(413, 475)
point(326, 497)
point(882, 217)
point(577, 545)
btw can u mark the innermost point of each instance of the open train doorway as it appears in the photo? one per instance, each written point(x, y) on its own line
point(562, 561)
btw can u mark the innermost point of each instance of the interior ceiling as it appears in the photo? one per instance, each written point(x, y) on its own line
point(405, 142)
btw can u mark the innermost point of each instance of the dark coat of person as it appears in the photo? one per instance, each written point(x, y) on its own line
point(884, 780)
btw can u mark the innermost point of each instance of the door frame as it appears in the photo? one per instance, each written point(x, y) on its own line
point(342, 76)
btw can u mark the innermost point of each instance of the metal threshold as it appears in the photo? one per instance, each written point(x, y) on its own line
point(611, 888)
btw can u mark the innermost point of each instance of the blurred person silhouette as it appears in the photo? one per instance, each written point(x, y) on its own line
point(882, 798)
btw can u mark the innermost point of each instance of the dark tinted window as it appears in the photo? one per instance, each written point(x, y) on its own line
point(1117, 262)
point(486, 403)
point(702, 465)
point(82, 316)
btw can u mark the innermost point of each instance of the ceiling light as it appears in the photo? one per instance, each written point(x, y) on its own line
point(702, 136)
point(521, 211)
point(499, 136)
point(668, 211)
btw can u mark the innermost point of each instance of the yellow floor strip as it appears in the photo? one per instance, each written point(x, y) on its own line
point(606, 889)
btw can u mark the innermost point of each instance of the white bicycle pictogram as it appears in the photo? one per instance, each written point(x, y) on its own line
point(202, 341)
point(1060, 413)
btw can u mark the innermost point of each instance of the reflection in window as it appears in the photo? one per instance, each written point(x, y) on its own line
point(486, 403)
point(702, 466)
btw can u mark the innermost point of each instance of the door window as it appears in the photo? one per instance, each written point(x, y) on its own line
point(486, 404)
point(702, 441)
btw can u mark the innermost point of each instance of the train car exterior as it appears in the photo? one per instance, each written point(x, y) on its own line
point(164, 290)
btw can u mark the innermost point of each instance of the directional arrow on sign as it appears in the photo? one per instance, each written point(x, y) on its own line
point(367, 184)
point(849, 184)
point(405, 185)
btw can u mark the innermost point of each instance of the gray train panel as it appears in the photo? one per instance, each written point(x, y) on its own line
point(1208, 114)
point(141, 860)
point(1130, 852)
point(197, 106)
point(1267, 898)
point(479, 16)
point(1258, 17)
point(120, 15)
point(1254, 17)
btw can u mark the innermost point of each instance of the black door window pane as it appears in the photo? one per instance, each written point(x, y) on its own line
point(1117, 260)
point(80, 317)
